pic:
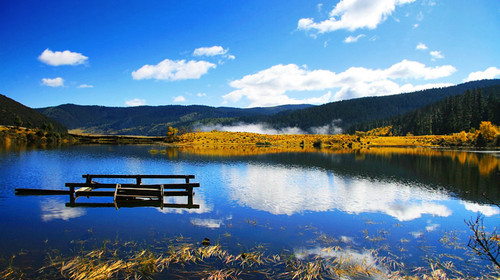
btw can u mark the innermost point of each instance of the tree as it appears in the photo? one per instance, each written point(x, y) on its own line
point(488, 130)
point(18, 121)
point(171, 134)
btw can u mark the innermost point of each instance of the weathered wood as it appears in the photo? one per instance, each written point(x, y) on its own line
point(125, 194)
point(156, 186)
point(22, 191)
point(143, 176)
point(95, 193)
point(131, 204)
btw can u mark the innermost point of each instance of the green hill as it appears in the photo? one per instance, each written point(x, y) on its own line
point(14, 113)
point(150, 120)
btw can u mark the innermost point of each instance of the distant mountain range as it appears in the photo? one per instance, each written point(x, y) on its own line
point(347, 115)
point(328, 118)
point(16, 114)
point(151, 120)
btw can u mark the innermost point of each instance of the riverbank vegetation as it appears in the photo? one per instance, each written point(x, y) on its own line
point(17, 135)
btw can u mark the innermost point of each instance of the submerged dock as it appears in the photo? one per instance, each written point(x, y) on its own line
point(130, 194)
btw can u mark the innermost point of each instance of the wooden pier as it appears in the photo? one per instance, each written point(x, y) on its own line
point(130, 194)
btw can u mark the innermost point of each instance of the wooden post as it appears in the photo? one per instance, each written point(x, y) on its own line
point(139, 180)
point(162, 194)
point(72, 194)
point(89, 179)
point(190, 195)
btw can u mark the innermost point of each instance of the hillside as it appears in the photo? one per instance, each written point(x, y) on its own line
point(451, 115)
point(14, 113)
point(150, 120)
point(347, 113)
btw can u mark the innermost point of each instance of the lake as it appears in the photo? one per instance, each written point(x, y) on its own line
point(384, 205)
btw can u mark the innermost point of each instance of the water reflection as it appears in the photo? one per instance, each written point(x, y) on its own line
point(55, 209)
point(289, 190)
point(486, 210)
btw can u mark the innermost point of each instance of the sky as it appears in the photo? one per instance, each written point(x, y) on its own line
point(242, 54)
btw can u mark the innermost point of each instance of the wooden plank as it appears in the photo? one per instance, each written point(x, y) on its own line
point(112, 186)
point(96, 193)
point(131, 204)
point(144, 176)
point(22, 191)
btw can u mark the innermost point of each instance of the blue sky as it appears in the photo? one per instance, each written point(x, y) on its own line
point(240, 53)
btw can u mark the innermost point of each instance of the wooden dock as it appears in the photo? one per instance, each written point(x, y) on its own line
point(130, 194)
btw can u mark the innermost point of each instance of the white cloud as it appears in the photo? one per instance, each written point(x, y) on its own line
point(56, 82)
point(489, 73)
point(270, 87)
point(214, 51)
point(85, 86)
point(201, 94)
point(352, 39)
point(421, 46)
point(173, 70)
point(486, 210)
point(179, 98)
point(436, 54)
point(62, 58)
point(354, 14)
point(135, 102)
point(210, 51)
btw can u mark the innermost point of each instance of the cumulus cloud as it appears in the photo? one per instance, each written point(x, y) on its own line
point(62, 58)
point(353, 39)
point(85, 86)
point(173, 70)
point(56, 82)
point(214, 51)
point(489, 73)
point(135, 102)
point(436, 54)
point(421, 46)
point(179, 98)
point(270, 87)
point(210, 51)
point(353, 15)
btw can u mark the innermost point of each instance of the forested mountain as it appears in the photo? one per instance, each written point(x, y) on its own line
point(350, 115)
point(453, 114)
point(150, 120)
point(16, 114)
point(355, 111)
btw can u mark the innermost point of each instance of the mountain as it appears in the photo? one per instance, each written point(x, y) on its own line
point(150, 120)
point(347, 113)
point(16, 114)
point(327, 118)
point(451, 115)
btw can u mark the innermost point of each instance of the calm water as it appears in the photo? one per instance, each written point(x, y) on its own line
point(411, 203)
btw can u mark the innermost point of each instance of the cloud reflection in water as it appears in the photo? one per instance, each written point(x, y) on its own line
point(53, 209)
point(289, 190)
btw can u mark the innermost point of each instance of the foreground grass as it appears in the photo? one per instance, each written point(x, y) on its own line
point(180, 258)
